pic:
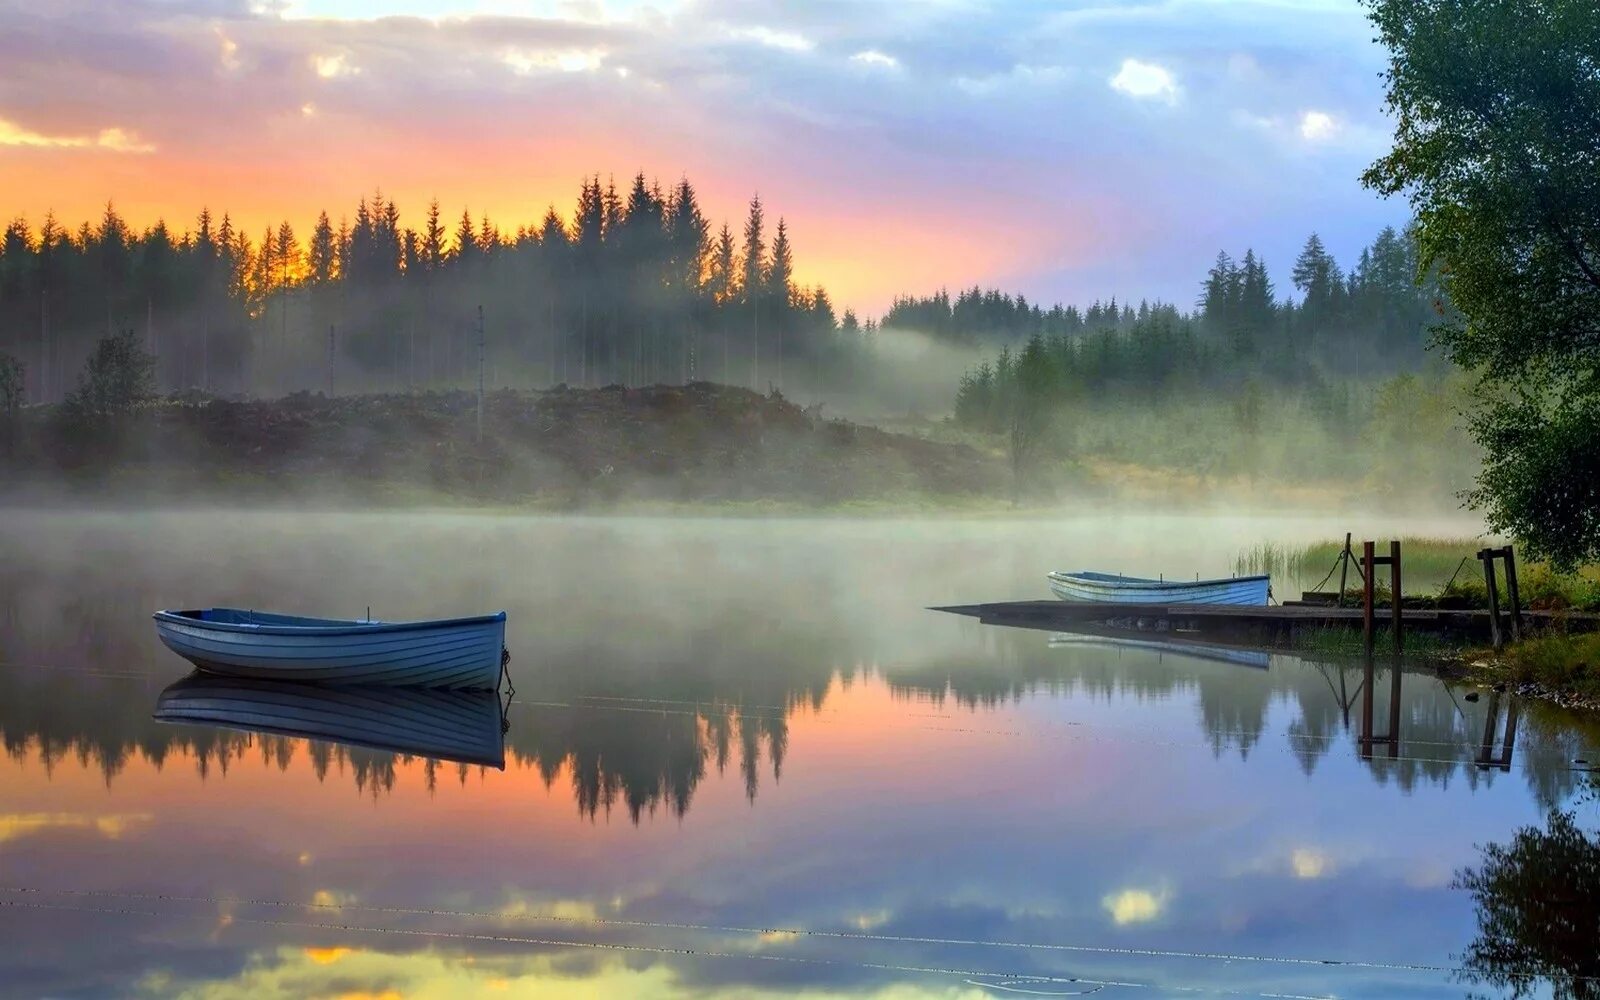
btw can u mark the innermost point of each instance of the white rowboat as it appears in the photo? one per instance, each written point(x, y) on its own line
point(458, 653)
point(1106, 588)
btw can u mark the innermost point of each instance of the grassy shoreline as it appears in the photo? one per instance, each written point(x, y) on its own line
point(1561, 668)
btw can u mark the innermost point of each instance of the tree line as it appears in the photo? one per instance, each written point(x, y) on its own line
point(1369, 318)
point(1344, 324)
point(634, 286)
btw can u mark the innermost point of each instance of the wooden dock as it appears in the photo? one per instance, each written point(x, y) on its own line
point(1267, 625)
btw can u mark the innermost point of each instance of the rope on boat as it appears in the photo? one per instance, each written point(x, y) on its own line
point(965, 974)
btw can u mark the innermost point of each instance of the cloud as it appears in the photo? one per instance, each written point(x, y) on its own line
point(1309, 863)
point(1134, 906)
point(1003, 129)
point(525, 62)
point(1318, 126)
point(1145, 81)
point(15, 826)
point(789, 41)
point(114, 140)
point(331, 67)
point(872, 57)
point(326, 956)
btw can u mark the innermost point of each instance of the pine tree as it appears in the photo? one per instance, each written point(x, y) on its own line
point(432, 251)
point(1315, 274)
point(322, 253)
point(467, 250)
point(753, 282)
point(286, 251)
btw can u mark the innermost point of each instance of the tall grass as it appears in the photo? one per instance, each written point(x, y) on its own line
point(1446, 568)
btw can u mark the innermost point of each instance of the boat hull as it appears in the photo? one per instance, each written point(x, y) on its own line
point(460, 726)
point(1260, 659)
point(460, 654)
point(1103, 588)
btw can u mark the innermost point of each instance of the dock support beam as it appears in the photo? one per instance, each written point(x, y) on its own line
point(1512, 595)
point(1367, 560)
point(1394, 587)
point(1496, 633)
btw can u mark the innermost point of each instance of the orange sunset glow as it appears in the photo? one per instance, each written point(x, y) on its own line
point(1038, 152)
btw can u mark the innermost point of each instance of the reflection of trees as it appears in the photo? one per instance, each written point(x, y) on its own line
point(715, 690)
point(689, 695)
point(1439, 737)
point(643, 758)
point(1538, 899)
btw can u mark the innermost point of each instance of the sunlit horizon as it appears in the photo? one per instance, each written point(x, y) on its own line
point(1097, 151)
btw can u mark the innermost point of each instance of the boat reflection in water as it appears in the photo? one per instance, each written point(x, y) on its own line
point(465, 727)
point(1239, 657)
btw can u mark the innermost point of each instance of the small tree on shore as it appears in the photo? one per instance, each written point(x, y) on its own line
point(118, 376)
point(11, 385)
point(11, 390)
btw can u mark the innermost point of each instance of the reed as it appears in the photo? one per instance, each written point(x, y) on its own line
point(1441, 572)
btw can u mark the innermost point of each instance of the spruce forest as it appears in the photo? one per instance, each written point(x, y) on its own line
point(638, 288)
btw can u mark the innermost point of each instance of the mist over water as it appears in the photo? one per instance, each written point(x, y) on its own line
point(728, 724)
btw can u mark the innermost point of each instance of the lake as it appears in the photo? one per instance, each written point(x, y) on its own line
point(743, 760)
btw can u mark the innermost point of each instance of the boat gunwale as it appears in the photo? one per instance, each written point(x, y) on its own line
point(1138, 583)
point(335, 627)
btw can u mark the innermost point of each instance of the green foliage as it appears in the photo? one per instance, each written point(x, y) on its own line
point(1497, 143)
point(1538, 903)
point(1350, 642)
point(118, 376)
point(1569, 663)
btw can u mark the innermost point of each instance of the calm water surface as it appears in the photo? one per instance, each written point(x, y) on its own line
point(742, 760)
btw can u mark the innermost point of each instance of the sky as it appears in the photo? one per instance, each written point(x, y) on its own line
point(1069, 151)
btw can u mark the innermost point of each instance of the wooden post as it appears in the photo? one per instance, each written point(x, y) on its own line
point(1511, 594)
point(1367, 673)
point(1344, 569)
point(1394, 706)
point(1510, 739)
point(332, 354)
point(1492, 717)
point(1487, 555)
point(1367, 572)
point(1394, 585)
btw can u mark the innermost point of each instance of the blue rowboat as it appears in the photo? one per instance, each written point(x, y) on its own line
point(1257, 658)
point(1106, 588)
point(461, 726)
point(459, 653)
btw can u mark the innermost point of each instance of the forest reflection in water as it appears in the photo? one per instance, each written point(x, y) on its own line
point(650, 749)
point(759, 710)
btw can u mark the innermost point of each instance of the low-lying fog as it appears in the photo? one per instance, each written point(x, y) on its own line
point(640, 590)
